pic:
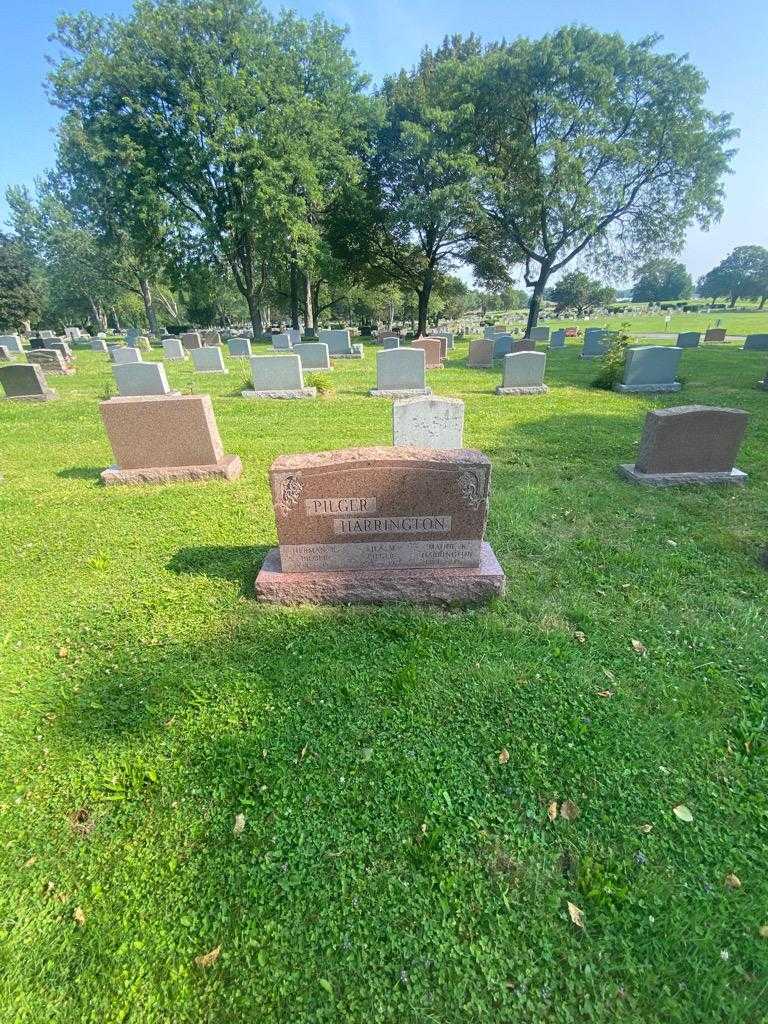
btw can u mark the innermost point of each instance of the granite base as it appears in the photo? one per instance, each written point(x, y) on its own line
point(647, 389)
point(449, 586)
point(403, 393)
point(47, 396)
point(295, 393)
point(734, 478)
point(229, 468)
point(533, 389)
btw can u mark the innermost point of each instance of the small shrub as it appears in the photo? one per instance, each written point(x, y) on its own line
point(322, 381)
point(612, 363)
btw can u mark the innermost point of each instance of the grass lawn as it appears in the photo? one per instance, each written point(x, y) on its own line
point(738, 325)
point(390, 868)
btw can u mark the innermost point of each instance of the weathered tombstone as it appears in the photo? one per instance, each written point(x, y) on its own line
point(141, 379)
point(689, 339)
point(340, 344)
point(756, 343)
point(125, 354)
point(502, 345)
point(523, 345)
point(390, 342)
point(282, 342)
point(594, 343)
point(24, 382)
point(208, 360)
point(50, 360)
point(481, 354)
point(173, 350)
point(313, 355)
point(210, 337)
point(523, 374)
point(650, 369)
point(448, 338)
point(39, 343)
point(400, 373)
point(539, 334)
point(47, 335)
point(191, 340)
point(433, 351)
point(380, 525)
point(277, 377)
point(714, 335)
point(295, 335)
point(557, 338)
point(73, 333)
point(239, 348)
point(165, 438)
point(99, 345)
point(428, 422)
point(12, 342)
point(689, 444)
point(61, 346)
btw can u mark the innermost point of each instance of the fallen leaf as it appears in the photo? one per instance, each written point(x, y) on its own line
point(208, 959)
point(576, 915)
point(646, 828)
point(639, 647)
point(733, 881)
point(63, 652)
point(302, 753)
point(581, 637)
point(78, 916)
point(569, 810)
point(609, 675)
point(504, 756)
point(552, 810)
point(683, 813)
point(605, 693)
point(30, 862)
point(239, 824)
point(762, 931)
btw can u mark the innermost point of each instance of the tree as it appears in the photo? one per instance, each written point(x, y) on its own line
point(592, 146)
point(421, 186)
point(20, 293)
point(741, 275)
point(578, 291)
point(242, 121)
point(662, 280)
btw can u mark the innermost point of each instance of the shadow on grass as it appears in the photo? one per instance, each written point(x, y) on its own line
point(92, 473)
point(237, 564)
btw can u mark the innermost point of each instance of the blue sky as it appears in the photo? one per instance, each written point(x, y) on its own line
point(727, 41)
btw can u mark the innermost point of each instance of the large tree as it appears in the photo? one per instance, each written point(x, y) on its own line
point(593, 147)
point(577, 290)
point(662, 280)
point(743, 274)
point(20, 292)
point(243, 122)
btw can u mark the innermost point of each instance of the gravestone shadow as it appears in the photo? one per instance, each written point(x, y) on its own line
point(236, 564)
point(92, 473)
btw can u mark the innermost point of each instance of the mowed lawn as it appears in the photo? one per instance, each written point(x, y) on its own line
point(738, 325)
point(389, 866)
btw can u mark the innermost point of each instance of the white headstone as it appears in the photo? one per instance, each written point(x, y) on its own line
point(428, 422)
point(208, 360)
point(141, 379)
point(126, 355)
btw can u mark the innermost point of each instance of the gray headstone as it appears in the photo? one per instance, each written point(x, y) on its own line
point(651, 367)
point(39, 343)
point(428, 422)
point(489, 333)
point(24, 380)
point(210, 337)
point(50, 360)
point(401, 369)
point(61, 346)
point(125, 354)
point(282, 342)
point(557, 338)
point(208, 360)
point(191, 340)
point(173, 350)
point(338, 342)
point(756, 342)
point(444, 334)
point(502, 345)
point(523, 373)
point(594, 342)
point(313, 355)
point(689, 339)
point(239, 348)
point(481, 354)
point(12, 342)
point(276, 373)
point(141, 379)
point(391, 342)
point(539, 334)
point(691, 439)
point(99, 345)
point(47, 335)
point(295, 335)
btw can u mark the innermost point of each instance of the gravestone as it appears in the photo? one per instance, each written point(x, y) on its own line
point(210, 337)
point(689, 444)
point(380, 525)
point(50, 360)
point(714, 335)
point(489, 333)
point(126, 355)
point(131, 335)
point(47, 335)
point(191, 340)
point(141, 379)
point(173, 350)
point(539, 334)
point(24, 382)
point(99, 345)
point(208, 360)
point(689, 339)
point(481, 354)
point(295, 335)
point(523, 374)
point(523, 345)
point(756, 343)
point(313, 355)
point(448, 338)
point(650, 369)
point(390, 342)
point(239, 348)
point(594, 343)
point(400, 373)
point(163, 439)
point(12, 342)
point(277, 377)
point(61, 346)
point(428, 422)
point(73, 333)
point(340, 344)
point(502, 345)
point(39, 343)
point(282, 342)
point(557, 338)
point(433, 351)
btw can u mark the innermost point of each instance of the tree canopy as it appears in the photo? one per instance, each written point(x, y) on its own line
point(743, 274)
point(660, 280)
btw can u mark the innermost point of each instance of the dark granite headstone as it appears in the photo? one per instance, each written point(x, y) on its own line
point(25, 381)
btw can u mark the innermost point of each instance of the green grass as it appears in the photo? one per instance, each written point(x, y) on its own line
point(390, 868)
point(738, 325)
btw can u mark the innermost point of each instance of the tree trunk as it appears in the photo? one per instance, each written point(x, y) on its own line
point(309, 313)
point(390, 314)
point(424, 295)
point(535, 306)
point(253, 308)
point(116, 319)
point(733, 300)
point(146, 294)
point(762, 301)
point(294, 297)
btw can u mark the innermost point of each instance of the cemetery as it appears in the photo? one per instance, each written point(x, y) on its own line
point(378, 646)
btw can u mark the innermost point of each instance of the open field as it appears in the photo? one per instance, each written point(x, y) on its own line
point(390, 869)
point(737, 324)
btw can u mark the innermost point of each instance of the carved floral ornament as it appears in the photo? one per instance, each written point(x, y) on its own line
point(289, 490)
point(470, 485)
